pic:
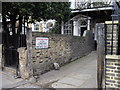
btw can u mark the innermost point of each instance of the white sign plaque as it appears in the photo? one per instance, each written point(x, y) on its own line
point(41, 42)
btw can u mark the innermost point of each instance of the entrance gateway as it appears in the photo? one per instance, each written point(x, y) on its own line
point(11, 43)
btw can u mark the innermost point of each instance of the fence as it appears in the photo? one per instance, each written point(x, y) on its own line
point(92, 4)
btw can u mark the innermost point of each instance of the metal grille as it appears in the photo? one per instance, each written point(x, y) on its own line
point(84, 4)
point(11, 44)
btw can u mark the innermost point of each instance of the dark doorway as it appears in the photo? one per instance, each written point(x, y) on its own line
point(11, 42)
point(82, 30)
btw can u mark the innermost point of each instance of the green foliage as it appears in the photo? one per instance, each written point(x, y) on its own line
point(60, 11)
point(13, 8)
point(37, 10)
point(56, 29)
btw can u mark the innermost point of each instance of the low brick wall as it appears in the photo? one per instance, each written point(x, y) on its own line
point(62, 49)
point(112, 71)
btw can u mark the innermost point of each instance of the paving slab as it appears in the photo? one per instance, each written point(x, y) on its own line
point(66, 89)
point(86, 65)
point(80, 76)
point(28, 85)
point(15, 84)
point(8, 81)
point(71, 81)
point(83, 74)
point(89, 83)
point(62, 85)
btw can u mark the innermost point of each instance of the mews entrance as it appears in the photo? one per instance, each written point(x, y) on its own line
point(12, 40)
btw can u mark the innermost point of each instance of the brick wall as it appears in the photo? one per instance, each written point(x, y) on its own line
point(112, 65)
point(111, 40)
point(62, 49)
point(112, 71)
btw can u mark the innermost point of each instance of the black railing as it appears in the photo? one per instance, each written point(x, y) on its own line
point(87, 5)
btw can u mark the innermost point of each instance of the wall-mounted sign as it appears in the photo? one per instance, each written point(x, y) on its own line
point(41, 42)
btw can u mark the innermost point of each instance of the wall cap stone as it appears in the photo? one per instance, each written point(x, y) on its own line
point(113, 57)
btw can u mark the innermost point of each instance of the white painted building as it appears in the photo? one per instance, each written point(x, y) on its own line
point(81, 23)
point(77, 25)
point(43, 26)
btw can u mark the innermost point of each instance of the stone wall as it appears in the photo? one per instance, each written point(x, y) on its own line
point(24, 73)
point(0, 56)
point(62, 49)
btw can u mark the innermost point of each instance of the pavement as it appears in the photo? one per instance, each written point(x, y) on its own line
point(7, 80)
point(81, 73)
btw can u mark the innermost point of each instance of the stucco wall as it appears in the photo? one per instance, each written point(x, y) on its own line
point(62, 49)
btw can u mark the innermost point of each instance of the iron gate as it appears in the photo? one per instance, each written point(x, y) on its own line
point(11, 43)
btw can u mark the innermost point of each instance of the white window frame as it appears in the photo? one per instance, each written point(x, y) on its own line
point(36, 27)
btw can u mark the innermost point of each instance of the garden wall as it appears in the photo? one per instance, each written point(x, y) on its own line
point(0, 56)
point(61, 49)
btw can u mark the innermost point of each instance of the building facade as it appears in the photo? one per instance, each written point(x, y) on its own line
point(42, 26)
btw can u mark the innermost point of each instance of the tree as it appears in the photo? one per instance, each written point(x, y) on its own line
point(59, 11)
point(15, 11)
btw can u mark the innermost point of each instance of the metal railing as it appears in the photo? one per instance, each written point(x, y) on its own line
point(86, 5)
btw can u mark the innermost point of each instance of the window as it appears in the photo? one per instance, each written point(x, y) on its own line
point(68, 28)
point(36, 27)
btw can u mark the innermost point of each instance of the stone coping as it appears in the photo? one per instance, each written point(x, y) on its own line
point(113, 57)
point(110, 22)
